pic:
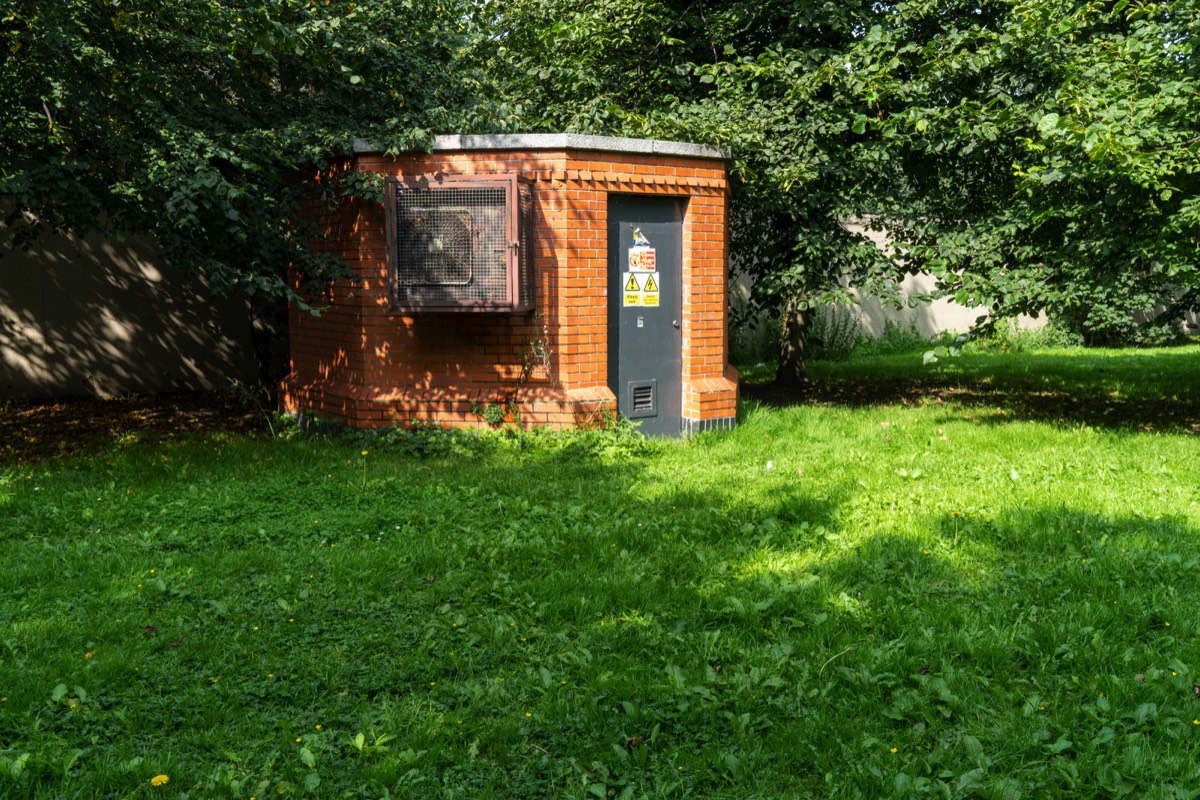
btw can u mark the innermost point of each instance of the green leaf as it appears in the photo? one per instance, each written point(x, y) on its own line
point(17, 765)
point(970, 780)
point(1061, 745)
point(975, 752)
point(1047, 124)
point(307, 757)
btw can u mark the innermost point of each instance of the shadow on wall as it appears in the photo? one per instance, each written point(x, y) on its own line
point(84, 316)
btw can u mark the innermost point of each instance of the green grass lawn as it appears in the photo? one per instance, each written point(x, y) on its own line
point(986, 586)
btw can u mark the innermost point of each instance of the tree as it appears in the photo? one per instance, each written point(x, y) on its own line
point(187, 120)
point(1051, 153)
point(1034, 155)
point(1031, 153)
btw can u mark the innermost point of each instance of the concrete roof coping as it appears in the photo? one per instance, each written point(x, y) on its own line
point(563, 141)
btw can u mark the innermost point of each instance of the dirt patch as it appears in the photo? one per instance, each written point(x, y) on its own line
point(33, 431)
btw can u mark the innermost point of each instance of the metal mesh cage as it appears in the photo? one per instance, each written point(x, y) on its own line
point(452, 246)
point(460, 243)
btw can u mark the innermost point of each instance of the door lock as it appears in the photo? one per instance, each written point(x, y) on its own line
point(675, 322)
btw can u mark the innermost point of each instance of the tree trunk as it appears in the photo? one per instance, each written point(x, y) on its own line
point(792, 338)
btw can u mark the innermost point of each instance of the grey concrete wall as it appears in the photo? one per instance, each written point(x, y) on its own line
point(929, 319)
point(82, 316)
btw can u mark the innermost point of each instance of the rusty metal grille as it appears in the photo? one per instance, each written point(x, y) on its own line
point(452, 246)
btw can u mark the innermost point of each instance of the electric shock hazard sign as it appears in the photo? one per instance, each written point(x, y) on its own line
point(650, 291)
point(640, 290)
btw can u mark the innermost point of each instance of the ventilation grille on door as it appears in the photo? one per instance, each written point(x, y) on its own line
point(642, 399)
point(460, 244)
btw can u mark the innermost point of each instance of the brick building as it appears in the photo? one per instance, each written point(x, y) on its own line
point(611, 295)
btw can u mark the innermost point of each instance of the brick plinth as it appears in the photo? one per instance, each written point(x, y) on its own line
point(363, 364)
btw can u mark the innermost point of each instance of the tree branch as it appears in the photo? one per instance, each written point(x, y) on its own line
point(1188, 143)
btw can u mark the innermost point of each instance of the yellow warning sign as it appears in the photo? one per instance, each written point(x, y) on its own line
point(650, 299)
point(650, 285)
point(632, 294)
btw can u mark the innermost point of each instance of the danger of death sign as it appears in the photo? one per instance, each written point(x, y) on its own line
point(641, 259)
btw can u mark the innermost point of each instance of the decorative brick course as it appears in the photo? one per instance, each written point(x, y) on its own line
point(364, 365)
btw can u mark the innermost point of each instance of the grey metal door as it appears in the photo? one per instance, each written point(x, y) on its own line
point(645, 304)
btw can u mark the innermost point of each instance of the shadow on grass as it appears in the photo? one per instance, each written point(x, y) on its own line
point(1143, 390)
point(1035, 582)
point(33, 431)
point(568, 605)
point(1018, 630)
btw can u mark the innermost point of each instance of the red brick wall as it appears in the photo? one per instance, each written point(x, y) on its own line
point(365, 365)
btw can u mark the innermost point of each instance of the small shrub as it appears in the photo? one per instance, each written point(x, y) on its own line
point(248, 397)
point(1158, 335)
point(1122, 319)
point(1002, 336)
point(496, 414)
point(833, 333)
point(426, 439)
point(1053, 335)
point(284, 426)
point(896, 338)
point(1007, 336)
point(491, 413)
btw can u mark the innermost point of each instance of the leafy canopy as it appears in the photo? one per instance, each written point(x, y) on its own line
point(185, 119)
point(1051, 152)
point(763, 79)
point(1034, 154)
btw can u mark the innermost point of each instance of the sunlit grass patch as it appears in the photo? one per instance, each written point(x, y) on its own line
point(898, 599)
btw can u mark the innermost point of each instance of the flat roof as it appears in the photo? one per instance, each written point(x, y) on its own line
point(563, 141)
